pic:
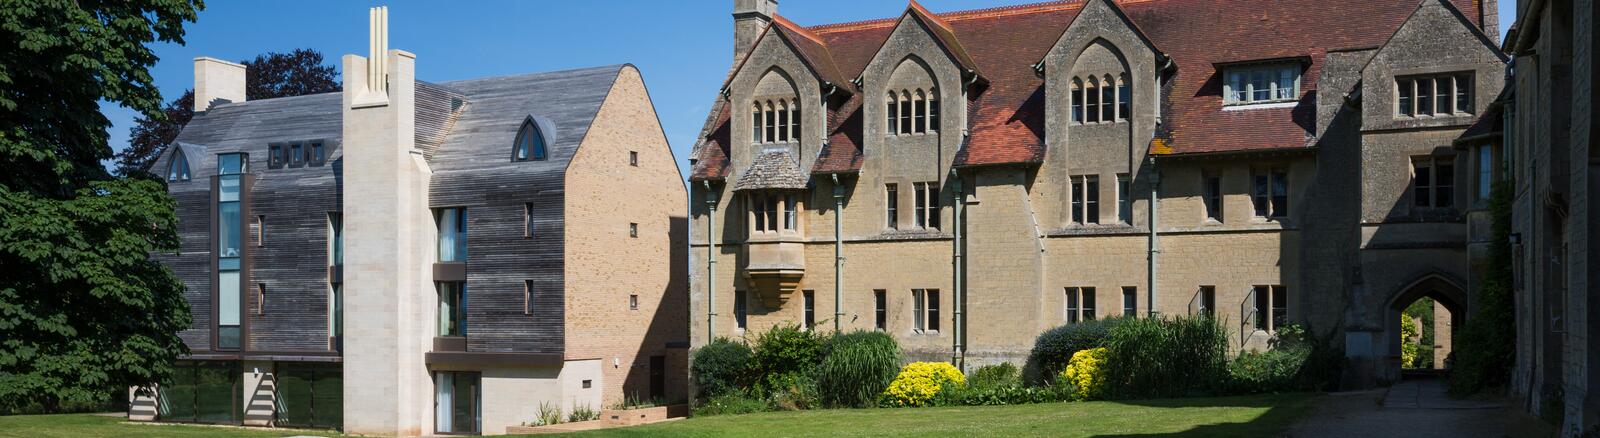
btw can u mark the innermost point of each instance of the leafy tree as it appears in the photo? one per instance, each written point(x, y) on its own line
point(83, 309)
point(270, 75)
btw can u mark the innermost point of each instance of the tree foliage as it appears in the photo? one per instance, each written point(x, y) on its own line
point(83, 309)
point(1484, 349)
point(271, 75)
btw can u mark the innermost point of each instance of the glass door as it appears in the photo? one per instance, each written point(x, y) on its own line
point(456, 398)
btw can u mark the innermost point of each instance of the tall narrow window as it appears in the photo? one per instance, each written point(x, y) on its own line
point(1077, 199)
point(178, 169)
point(335, 239)
point(1130, 301)
point(919, 310)
point(783, 121)
point(1092, 105)
point(1485, 171)
point(1124, 98)
point(927, 205)
point(1077, 100)
point(1280, 307)
point(1271, 307)
point(258, 229)
point(772, 122)
point(1205, 301)
point(926, 306)
point(933, 309)
point(261, 299)
point(1091, 199)
point(756, 124)
point(275, 156)
point(230, 170)
point(794, 121)
point(893, 122)
point(933, 110)
point(880, 309)
point(530, 142)
point(1124, 200)
point(1108, 99)
point(318, 155)
point(297, 155)
point(1088, 301)
point(891, 205)
point(810, 309)
point(527, 297)
point(1213, 196)
point(1071, 308)
point(527, 220)
point(452, 234)
point(452, 308)
point(741, 309)
point(457, 403)
point(920, 117)
point(1079, 304)
point(905, 112)
point(789, 216)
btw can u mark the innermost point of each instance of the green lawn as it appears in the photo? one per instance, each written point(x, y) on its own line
point(1259, 415)
point(90, 425)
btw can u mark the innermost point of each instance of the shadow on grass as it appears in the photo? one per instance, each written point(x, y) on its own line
point(1281, 411)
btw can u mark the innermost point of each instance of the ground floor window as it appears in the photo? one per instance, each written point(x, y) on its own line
point(1080, 304)
point(309, 395)
point(201, 392)
point(926, 306)
point(1271, 307)
point(456, 402)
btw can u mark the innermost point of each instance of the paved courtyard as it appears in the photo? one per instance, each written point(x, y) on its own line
point(1417, 408)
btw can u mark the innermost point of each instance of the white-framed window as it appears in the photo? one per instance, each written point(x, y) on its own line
point(1433, 181)
point(775, 121)
point(1086, 199)
point(1261, 84)
point(891, 205)
point(911, 111)
point(1433, 95)
point(927, 207)
point(1079, 305)
point(1269, 192)
point(925, 302)
point(1271, 310)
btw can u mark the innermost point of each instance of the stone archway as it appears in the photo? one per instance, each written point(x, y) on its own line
point(1445, 291)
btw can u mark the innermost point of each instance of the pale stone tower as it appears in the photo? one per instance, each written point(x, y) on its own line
point(750, 17)
point(389, 238)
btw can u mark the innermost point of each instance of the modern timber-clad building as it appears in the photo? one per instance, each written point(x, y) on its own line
point(966, 180)
point(411, 258)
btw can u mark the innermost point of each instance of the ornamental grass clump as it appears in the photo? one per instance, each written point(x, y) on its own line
point(1086, 373)
point(919, 382)
point(1166, 357)
point(856, 367)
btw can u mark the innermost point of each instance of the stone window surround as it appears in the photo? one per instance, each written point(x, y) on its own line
point(1085, 204)
point(775, 120)
point(927, 205)
point(1079, 305)
point(772, 214)
point(925, 305)
point(1099, 95)
point(1269, 303)
point(1434, 186)
point(912, 111)
point(1275, 209)
point(1409, 94)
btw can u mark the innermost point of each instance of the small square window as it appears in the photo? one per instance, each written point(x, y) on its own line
point(633, 230)
point(318, 154)
point(274, 156)
point(296, 154)
point(587, 383)
point(633, 302)
point(633, 158)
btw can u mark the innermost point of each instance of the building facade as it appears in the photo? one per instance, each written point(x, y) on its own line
point(414, 258)
point(1551, 152)
point(967, 180)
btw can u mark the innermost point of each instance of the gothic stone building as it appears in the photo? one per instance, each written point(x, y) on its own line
point(1551, 152)
point(410, 258)
point(967, 180)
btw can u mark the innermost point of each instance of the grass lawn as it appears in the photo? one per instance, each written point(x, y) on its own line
point(91, 425)
point(1257, 415)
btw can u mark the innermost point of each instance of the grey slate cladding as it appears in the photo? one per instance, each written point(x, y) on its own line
point(465, 129)
point(772, 170)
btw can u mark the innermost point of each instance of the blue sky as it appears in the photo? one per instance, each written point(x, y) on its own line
point(683, 48)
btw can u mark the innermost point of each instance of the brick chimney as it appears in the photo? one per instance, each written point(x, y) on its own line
point(750, 17)
point(217, 81)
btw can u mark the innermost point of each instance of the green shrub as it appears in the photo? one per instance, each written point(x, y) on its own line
point(856, 367)
point(720, 367)
point(1055, 347)
point(999, 375)
point(782, 356)
point(1001, 395)
point(730, 404)
point(1485, 347)
point(1273, 370)
point(797, 392)
point(1165, 357)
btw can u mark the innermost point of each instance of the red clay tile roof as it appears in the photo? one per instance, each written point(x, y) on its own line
point(1006, 117)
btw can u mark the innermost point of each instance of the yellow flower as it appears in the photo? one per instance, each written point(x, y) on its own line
point(918, 382)
point(1086, 373)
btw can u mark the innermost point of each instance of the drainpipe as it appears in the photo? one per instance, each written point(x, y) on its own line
point(838, 252)
point(711, 263)
point(1155, 242)
point(960, 348)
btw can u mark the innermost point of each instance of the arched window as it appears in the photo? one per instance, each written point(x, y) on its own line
point(178, 168)
point(1091, 107)
point(755, 128)
point(1124, 98)
point(1108, 99)
point(1077, 100)
point(894, 113)
point(933, 110)
point(530, 143)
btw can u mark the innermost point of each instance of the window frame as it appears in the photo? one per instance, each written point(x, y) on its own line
point(925, 304)
point(1269, 307)
point(1079, 305)
point(1124, 200)
point(178, 166)
point(880, 310)
point(808, 310)
point(1130, 301)
point(530, 143)
point(927, 205)
point(741, 309)
point(453, 293)
point(1085, 202)
point(459, 217)
point(1410, 94)
point(891, 205)
point(1432, 187)
point(1269, 205)
point(1211, 196)
point(1238, 80)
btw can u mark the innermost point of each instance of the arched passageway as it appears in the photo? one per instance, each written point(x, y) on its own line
point(1437, 306)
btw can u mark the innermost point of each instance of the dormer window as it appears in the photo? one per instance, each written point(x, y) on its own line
point(914, 111)
point(1262, 84)
point(1101, 99)
point(530, 143)
point(178, 168)
point(775, 121)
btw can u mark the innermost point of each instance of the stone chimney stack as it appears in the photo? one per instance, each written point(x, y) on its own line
point(217, 81)
point(389, 237)
point(750, 17)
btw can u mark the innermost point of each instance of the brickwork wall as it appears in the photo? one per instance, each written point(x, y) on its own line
point(605, 265)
